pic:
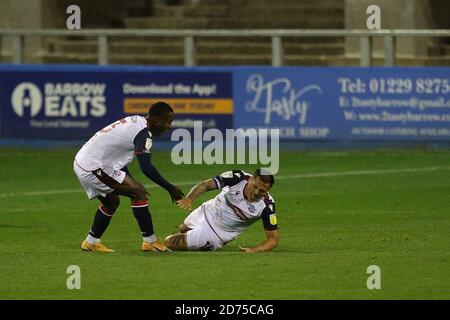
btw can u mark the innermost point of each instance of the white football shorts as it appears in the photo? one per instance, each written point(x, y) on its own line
point(92, 184)
point(202, 236)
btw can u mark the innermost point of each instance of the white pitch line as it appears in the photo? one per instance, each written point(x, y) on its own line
point(362, 172)
point(294, 176)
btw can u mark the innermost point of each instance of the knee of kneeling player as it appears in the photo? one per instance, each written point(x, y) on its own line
point(176, 242)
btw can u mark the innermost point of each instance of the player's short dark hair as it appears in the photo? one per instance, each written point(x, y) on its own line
point(264, 177)
point(159, 109)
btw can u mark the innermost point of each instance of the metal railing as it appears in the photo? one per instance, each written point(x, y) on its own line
point(189, 36)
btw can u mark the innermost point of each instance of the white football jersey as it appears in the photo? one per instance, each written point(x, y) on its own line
point(229, 213)
point(115, 145)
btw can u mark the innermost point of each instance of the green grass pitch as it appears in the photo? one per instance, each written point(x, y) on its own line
point(338, 213)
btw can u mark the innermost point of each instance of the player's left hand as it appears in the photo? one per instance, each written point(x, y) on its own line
point(247, 250)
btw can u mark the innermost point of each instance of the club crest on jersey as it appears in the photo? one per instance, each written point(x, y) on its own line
point(273, 219)
point(148, 145)
point(252, 208)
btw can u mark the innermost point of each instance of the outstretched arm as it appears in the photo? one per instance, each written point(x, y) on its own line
point(267, 245)
point(142, 145)
point(150, 171)
point(199, 189)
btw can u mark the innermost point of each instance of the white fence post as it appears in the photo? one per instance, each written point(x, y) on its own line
point(366, 51)
point(277, 52)
point(189, 51)
point(389, 51)
point(17, 49)
point(103, 50)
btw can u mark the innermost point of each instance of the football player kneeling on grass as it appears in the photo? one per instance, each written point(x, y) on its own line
point(244, 199)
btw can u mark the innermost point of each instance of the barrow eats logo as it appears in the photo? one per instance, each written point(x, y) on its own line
point(59, 104)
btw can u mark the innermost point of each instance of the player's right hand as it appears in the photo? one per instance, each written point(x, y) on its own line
point(185, 203)
point(176, 194)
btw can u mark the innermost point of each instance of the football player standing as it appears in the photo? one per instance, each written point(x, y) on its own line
point(101, 167)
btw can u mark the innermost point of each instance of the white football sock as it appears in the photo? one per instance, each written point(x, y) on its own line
point(150, 239)
point(91, 240)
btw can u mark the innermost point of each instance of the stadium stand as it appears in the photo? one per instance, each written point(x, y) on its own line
point(217, 14)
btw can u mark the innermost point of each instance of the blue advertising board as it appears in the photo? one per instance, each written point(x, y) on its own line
point(75, 102)
point(378, 104)
point(305, 103)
